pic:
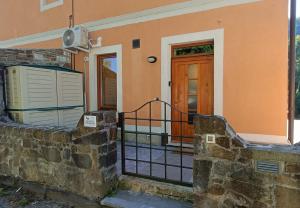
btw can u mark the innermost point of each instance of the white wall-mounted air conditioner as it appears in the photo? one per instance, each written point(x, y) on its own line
point(76, 37)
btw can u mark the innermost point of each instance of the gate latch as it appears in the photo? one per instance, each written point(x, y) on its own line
point(164, 139)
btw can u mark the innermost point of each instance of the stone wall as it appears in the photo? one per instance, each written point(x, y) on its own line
point(80, 162)
point(35, 56)
point(2, 106)
point(229, 173)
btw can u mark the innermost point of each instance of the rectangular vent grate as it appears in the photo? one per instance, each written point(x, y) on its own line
point(267, 166)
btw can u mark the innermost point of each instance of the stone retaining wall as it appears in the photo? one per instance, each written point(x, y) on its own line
point(80, 162)
point(35, 56)
point(226, 173)
point(2, 106)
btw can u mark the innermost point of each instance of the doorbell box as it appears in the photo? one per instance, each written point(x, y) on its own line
point(210, 138)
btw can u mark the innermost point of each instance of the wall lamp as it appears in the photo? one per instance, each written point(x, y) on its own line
point(151, 59)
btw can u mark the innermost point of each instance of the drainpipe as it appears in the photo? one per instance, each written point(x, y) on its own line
point(292, 71)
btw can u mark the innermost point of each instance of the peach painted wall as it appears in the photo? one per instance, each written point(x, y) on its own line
point(255, 61)
point(23, 17)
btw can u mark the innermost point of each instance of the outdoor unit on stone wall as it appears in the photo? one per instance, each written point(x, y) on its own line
point(44, 95)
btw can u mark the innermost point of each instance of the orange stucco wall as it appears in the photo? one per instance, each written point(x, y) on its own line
point(255, 59)
point(23, 17)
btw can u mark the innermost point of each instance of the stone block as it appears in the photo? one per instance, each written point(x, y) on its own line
point(209, 125)
point(111, 158)
point(102, 161)
point(238, 142)
point(27, 143)
point(4, 169)
point(202, 201)
point(51, 154)
point(287, 197)
point(234, 200)
point(66, 154)
point(113, 133)
point(219, 152)
point(112, 146)
point(95, 138)
point(61, 136)
point(201, 174)
point(83, 148)
point(4, 152)
point(293, 168)
point(216, 189)
point(223, 141)
point(221, 168)
point(245, 155)
point(82, 160)
point(250, 190)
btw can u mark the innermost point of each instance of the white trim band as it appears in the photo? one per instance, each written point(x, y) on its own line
point(264, 139)
point(44, 5)
point(132, 18)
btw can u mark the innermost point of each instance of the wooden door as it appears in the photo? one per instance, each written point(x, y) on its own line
point(192, 92)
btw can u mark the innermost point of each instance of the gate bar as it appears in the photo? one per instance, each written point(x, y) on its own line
point(122, 125)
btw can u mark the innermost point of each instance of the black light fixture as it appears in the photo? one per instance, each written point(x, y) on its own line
point(151, 59)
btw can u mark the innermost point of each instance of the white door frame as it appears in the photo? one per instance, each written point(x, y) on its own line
point(166, 43)
point(93, 84)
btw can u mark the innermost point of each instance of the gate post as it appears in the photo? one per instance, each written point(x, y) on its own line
point(121, 124)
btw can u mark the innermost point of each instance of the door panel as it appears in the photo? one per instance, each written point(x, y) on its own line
point(192, 92)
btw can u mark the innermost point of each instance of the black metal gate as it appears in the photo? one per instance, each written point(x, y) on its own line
point(150, 150)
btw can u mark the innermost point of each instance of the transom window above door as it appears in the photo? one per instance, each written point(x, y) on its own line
point(49, 4)
point(206, 48)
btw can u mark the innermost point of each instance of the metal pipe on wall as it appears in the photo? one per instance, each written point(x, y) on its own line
point(292, 71)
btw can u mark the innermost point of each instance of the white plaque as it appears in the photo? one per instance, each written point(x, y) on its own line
point(90, 121)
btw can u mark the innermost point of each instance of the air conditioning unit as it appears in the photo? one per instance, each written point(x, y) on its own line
point(76, 37)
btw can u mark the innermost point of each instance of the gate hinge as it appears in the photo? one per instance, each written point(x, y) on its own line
point(170, 83)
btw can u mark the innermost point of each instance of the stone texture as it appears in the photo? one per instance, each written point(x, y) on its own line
point(82, 161)
point(54, 158)
point(292, 168)
point(201, 174)
point(225, 173)
point(35, 56)
point(210, 124)
point(223, 141)
point(51, 154)
point(219, 152)
point(287, 197)
point(2, 104)
point(96, 138)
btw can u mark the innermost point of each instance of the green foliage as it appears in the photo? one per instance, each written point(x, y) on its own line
point(201, 49)
point(3, 192)
point(23, 202)
point(297, 110)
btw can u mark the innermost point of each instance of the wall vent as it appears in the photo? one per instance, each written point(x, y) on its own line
point(267, 166)
point(136, 43)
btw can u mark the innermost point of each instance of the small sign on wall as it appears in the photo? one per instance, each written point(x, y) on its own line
point(90, 121)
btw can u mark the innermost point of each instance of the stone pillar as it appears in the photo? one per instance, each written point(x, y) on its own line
point(212, 160)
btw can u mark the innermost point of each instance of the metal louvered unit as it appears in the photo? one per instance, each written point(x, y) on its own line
point(267, 166)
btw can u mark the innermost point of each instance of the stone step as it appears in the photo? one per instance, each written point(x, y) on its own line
point(155, 188)
point(130, 199)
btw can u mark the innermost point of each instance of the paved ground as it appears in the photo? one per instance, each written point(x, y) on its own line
point(11, 198)
point(173, 157)
point(129, 199)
